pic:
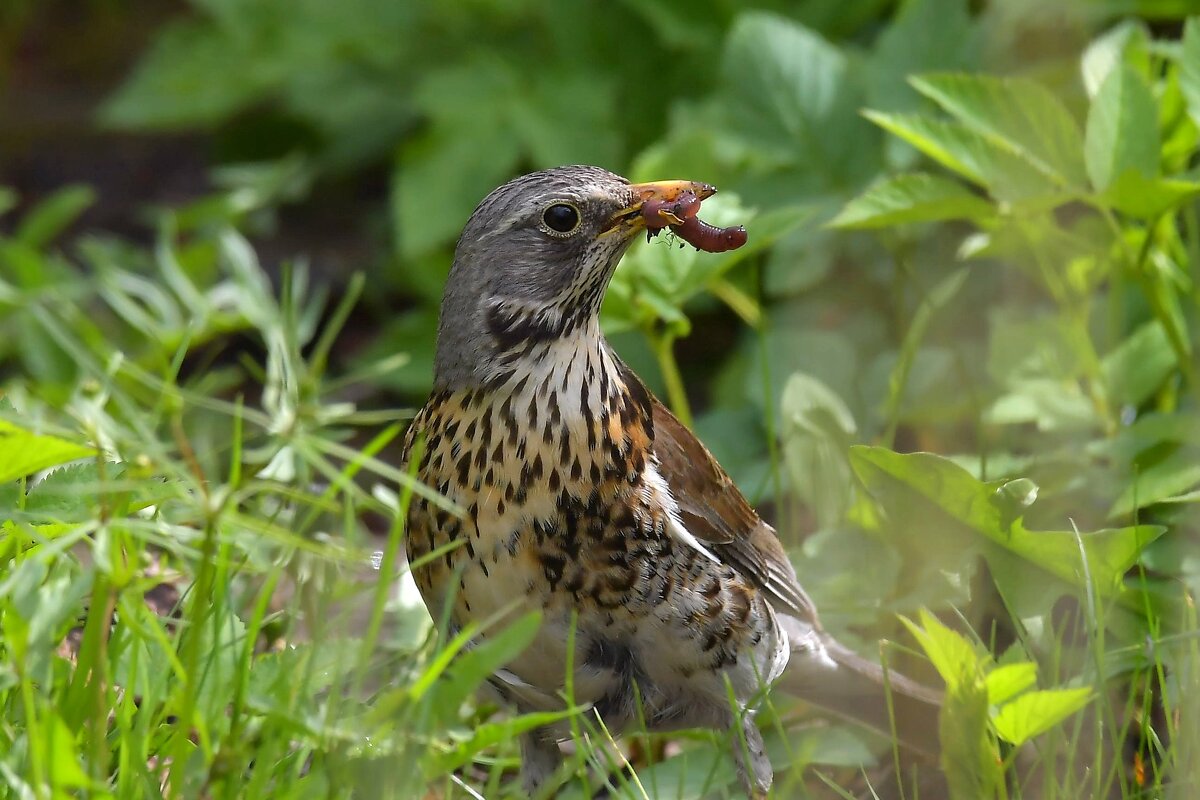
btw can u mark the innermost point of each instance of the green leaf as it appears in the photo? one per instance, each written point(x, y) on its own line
point(1144, 197)
point(1189, 67)
point(54, 215)
point(1139, 365)
point(1021, 113)
point(59, 752)
point(192, 75)
point(1037, 712)
point(23, 453)
point(476, 664)
point(924, 35)
point(976, 157)
point(915, 197)
point(467, 150)
point(951, 654)
point(487, 735)
point(969, 759)
point(1009, 680)
point(794, 94)
point(914, 486)
point(1122, 129)
point(817, 430)
point(1127, 43)
point(1172, 475)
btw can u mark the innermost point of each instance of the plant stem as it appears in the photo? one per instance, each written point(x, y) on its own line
point(664, 350)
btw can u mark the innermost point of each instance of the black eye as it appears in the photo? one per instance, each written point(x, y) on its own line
point(561, 218)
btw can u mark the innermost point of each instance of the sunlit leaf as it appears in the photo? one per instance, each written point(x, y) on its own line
point(952, 655)
point(1034, 713)
point(1189, 67)
point(23, 452)
point(1122, 129)
point(937, 483)
point(1009, 680)
point(1023, 114)
point(1137, 195)
point(915, 197)
point(969, 153)
point(1126, 43)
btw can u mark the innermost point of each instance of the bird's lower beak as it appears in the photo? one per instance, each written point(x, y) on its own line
point(631, 219)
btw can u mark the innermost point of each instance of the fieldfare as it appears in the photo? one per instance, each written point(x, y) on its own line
point(586, 499)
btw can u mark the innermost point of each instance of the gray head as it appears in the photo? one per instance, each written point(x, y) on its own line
point(532, 265)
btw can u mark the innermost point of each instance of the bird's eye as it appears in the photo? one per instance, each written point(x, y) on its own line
point(561, 218)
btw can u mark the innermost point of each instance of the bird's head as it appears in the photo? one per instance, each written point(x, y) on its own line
point(533, 262)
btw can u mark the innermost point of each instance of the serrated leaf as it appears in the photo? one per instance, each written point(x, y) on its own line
point(915, 197)
point(1035, 713)
point(951, 654)
point(1189, 67)
point(1022, 113)
point(969, 153)
point(23, 453)
point(793, 93)
point(1009, 680)
point(1122, 129)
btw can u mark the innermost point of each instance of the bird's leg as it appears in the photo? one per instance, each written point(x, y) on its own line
point(754, 768)
point(540, 757)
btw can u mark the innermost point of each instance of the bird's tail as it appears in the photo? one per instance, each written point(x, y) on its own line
point(850, 686)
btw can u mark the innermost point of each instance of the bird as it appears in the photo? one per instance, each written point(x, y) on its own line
point(582, 497)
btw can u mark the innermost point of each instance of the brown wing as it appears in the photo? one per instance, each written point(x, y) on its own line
point(716, 513)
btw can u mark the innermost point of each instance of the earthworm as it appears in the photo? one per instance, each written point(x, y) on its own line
point(680, 216)
point(709, 238)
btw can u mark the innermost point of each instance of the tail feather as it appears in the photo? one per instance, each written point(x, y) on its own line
point(836, 679)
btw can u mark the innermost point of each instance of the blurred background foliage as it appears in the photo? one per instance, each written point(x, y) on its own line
point(1003, 272)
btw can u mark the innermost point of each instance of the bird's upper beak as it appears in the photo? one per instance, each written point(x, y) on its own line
point(630, 219)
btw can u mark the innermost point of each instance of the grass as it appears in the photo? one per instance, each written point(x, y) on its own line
point(203, 596)
point(201, 586)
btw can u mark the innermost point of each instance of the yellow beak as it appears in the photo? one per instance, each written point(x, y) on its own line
point(631, 219)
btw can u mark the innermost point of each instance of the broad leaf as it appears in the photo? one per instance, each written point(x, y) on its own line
point(1173, 475)
point(817, 429)
point(1021, 113)
point(1035, 713)
point(1137, 195)
point(1189, 67)
point(951, 654)
point(1009, 680)
point(915, 197)
point(1122, 129)
point(971, 154)
point(794, 94)
point(917, 485)
point(1127, 43)
point(23, 453)
point(1138, 366)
